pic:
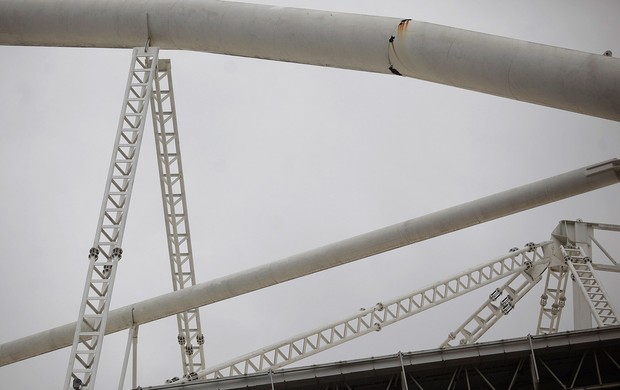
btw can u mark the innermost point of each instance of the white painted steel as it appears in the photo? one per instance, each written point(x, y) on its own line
point(607, 268)
point(134, 370)
point(343, 252)
point(490, 312)
point(580, 266)
point(176, 219)
point(525, 71)
point(93, 315)
point(130, 335)
point(376, 317)
point(598, 244)
point(508, 68)
point(511, 354)
point(571, 233)
point(552, 300)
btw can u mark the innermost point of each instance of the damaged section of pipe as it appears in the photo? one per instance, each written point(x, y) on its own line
point(509, 68)
point(529, 72)
point(329, 256)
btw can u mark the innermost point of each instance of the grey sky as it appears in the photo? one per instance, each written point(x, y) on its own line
point(281, 158)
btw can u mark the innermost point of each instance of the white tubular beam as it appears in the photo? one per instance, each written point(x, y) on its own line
point(540, 74)
point(343, 252)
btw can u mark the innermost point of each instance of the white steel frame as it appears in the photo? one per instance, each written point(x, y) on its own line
point(92, 319)
point(101, 274)
point(375, 318)
point(525, 266)
point(580, 266)
point(190, 337)
point(552, 300)
point(345, 251)
point(515, 288)
point(150, 81)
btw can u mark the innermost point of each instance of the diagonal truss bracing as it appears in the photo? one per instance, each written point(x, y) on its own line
point(373, 319)
point(168, 150)
point(495, 307)
point(580, 266)
point(89, 332)
point(552, 300)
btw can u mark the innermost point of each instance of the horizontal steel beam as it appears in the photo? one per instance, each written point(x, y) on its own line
point(391, 237)
point(540, 74)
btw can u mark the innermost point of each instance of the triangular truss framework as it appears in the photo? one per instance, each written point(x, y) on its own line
point(567, 254)
point(149, 81)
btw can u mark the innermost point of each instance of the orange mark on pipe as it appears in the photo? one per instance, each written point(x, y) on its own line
point(402, 27)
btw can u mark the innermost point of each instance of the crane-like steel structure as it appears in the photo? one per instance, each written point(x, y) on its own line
point(398, 46)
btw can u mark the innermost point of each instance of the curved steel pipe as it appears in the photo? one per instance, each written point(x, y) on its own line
point(540, 74)
point(329, 256)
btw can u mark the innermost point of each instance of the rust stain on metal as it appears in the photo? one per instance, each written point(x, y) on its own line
point(402, 27)
point(400, 32)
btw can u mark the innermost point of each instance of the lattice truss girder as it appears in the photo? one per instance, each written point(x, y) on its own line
point(376, 317)
point(101, 274)
point(580, 266)
point(503, 299)
point(552, 300)
point(190, 337)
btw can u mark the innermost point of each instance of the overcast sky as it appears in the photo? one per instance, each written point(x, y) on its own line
point(278, 159)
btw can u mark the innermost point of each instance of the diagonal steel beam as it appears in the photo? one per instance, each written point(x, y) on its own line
point(355, 248)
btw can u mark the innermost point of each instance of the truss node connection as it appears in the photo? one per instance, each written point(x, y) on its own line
point(503, 299)
point(520, 70)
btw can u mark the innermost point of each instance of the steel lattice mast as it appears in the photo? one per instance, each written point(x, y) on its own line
point(149, 80)
point(92, 320)
point(176, 219)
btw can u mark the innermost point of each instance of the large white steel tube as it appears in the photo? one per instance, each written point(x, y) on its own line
point(535, 73)
point(355, 248)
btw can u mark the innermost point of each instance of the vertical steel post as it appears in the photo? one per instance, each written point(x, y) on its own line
point(134, 371)
point(582, 315)
point(121, 381)
point(190, 337)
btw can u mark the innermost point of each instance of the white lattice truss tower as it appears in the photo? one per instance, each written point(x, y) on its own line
point(566, 254)
point(382, 45)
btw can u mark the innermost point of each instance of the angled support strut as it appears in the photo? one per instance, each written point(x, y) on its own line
point(91, 324)
point(190, 337)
